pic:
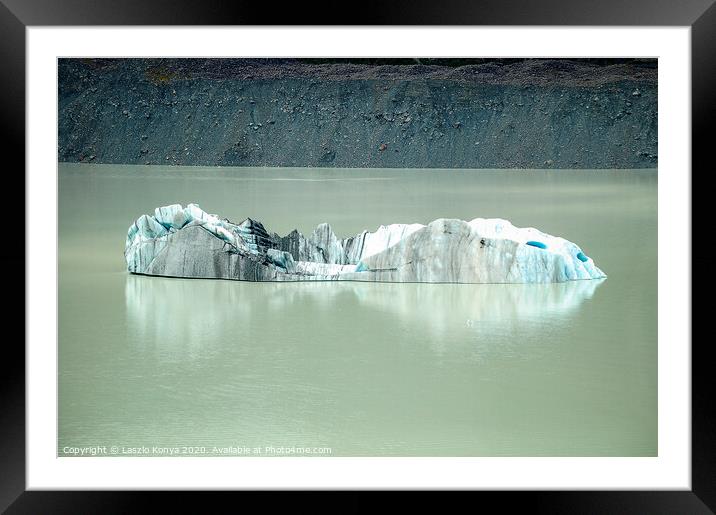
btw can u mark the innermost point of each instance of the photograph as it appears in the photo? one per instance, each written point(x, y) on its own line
point(357, 257)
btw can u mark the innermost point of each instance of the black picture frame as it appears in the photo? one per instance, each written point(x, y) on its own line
point(17, 15)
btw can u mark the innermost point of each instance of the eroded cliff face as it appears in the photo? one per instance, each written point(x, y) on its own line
point(528, 114)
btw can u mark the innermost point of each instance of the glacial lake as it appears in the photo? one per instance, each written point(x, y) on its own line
point(151, 365)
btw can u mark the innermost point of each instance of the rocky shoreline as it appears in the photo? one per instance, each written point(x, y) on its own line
point(291, 113)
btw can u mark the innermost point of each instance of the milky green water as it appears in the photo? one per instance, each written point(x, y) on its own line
point(159, 366)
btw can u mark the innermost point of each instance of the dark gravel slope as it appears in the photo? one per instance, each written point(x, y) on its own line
point(492, 114)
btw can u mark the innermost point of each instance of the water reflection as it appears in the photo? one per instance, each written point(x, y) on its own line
point(189, 316)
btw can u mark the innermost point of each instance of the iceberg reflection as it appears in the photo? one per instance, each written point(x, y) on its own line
point(188, 316)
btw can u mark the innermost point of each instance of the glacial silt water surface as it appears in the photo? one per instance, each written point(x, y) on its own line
point(149, 365)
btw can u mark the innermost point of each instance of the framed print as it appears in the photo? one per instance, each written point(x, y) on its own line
point(376, 257)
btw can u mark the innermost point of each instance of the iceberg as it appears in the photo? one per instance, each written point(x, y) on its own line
point(188, 242)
